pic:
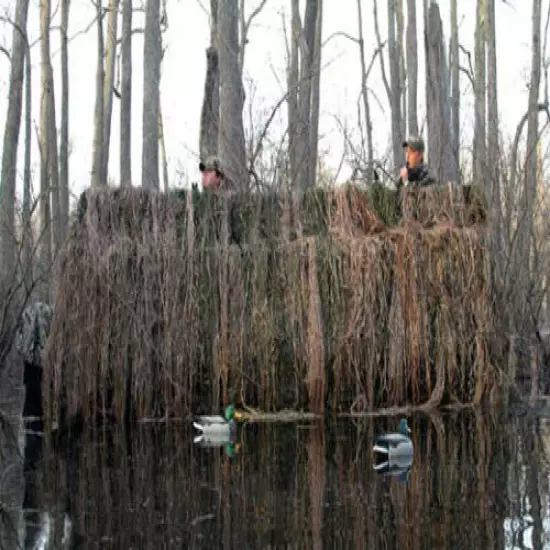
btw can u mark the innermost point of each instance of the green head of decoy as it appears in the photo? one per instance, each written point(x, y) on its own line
point(230, 413)
point(404, 427)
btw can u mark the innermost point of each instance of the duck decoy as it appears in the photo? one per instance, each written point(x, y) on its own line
point(216, 429)
point(395, 446)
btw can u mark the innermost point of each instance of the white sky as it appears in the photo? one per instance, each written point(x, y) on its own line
point(184, 67)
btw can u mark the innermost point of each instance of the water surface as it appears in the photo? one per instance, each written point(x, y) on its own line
point(474, 482)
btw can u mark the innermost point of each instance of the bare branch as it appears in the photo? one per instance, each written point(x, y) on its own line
point(245, 27)
point(6, 53)
point(470, 66)
point(342, 34)
point(379, 43)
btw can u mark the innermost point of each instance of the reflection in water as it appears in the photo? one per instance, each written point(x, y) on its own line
point(474, 483)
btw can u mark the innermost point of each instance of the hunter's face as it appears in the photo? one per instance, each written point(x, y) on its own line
point(414, 158)
point(211, 179)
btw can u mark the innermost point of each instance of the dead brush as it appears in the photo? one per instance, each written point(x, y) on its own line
point(293, 300)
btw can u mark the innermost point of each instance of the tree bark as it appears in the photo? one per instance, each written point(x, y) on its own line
point(479, 153)
point(439, 113)
point(455, 84)
point(231, 144)
point(315, 96)
point(126, 96)
point(27, 227)
point(395, 88)
point(164, 158)
point(210, 113)
point(10, 144)
point(412, 67)
point(400, 21)
point(64, 130)
point(529, 194)
point(364, 94)
point(151, 97)
point(493, 156)
point(110, 56)
point(45, 152)
point(97, 145)
point(292, 101)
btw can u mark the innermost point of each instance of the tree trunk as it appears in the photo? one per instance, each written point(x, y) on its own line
point(455, 85)
point(151, 80)
point(479, 153)
point(439, 113)
point(315, 96)
point(27, 227)
point(126, 96)
point(11, 141)
point(395, 88)
point(412, 67)
point(293, 76)
point(210, 112)
point(493, 156)
point(45, 152)
point(364, 94)
point(231, 145)
point(97, 146)
point(53, 165)
point(525, 223)
point(400, 20)
point(64, 130)
point(164, 158)
point(110, 56)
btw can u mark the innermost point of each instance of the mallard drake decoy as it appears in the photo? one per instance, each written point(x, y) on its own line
point(216, 427)
point(395, 445)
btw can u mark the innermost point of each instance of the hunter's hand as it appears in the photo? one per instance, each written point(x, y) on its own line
point(404, 174)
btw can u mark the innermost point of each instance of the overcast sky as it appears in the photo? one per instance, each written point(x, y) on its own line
point(184, 66)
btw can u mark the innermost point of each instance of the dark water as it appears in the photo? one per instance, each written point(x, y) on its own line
point(475, 482)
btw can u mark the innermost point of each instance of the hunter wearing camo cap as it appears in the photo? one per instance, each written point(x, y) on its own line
point(213, 174)
point(415, 170)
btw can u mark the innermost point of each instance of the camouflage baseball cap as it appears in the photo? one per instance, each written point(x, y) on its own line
point(211, 163)
point(415, 143)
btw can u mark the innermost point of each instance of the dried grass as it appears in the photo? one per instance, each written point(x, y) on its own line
point(296, 301)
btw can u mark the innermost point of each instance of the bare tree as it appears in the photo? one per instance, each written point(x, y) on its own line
point(244, 27)
point(97, 146)
point(231, 144)
point(304, 89)
point(412, 67)
point(110, 56)
point(151, 96)
point(164, 157)
point(392, 87)
point(126, 96)
point(293, 76)
point(365, 93)
point(64, 130)
point(395, 95)
point(493, 155)
point(210, 112)
point(11, 140)
point(455, 84)
point(27, 228)
point(530, 186)
point(49, 172)
point(479, 152)
point(315, 96)
point(400, 34)
point(439, 112)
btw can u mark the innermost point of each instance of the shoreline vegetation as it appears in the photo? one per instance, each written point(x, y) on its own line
point(342, 300)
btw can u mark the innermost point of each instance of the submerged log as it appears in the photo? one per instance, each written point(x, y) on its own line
point(294, 300)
